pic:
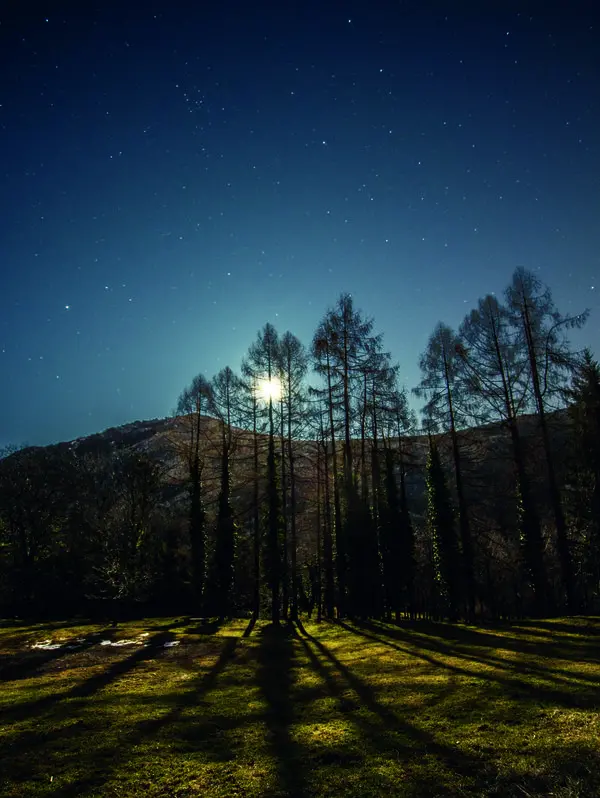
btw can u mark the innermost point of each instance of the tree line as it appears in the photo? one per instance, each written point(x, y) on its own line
point(309, 487)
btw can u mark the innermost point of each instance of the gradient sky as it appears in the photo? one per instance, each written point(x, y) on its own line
point(174, 175)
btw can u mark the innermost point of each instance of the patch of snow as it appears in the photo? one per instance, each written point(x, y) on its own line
point(46, 646)
point(171, 643)
point(119, 643)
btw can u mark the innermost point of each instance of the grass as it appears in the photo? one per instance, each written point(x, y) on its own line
point(312, 710)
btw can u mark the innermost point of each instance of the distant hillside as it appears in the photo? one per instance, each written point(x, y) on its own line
point(486, 451)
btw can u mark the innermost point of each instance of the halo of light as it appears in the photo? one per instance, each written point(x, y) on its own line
point(269, 389)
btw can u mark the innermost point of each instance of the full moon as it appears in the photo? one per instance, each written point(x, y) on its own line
point(269, 389)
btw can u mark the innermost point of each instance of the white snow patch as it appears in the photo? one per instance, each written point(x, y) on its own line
point(119, 643)
point(46, 645)
point(171, 643)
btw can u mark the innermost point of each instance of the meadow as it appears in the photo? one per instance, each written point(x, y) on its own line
point(182, 707)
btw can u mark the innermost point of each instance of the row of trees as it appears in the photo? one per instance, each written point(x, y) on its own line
point(326, 495)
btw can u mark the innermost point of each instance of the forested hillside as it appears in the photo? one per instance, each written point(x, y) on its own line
point(304, 483)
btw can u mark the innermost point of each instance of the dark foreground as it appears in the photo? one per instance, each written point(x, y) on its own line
point(184, 709)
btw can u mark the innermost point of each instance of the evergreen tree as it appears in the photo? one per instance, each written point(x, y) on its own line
point(440, 517)
point(584, 473)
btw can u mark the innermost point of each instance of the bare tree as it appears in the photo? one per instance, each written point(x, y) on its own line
point(440, 386)
point(541, 336)
point(193, 404)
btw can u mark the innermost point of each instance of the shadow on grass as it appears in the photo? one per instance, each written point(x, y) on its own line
point(548, 644)
point(206, 626)
point(275, 676)
point(25, 664)
point(454, 645)
point(570, 772)
point(579, 625)
point(513, 676)
point(391, 735)
point(152, 649)
point(250, 627)
point(102, 762)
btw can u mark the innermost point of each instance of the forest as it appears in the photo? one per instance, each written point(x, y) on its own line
point(305, 485)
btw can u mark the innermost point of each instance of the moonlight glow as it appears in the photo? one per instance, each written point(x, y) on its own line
point(269, 389)
point(262, 182)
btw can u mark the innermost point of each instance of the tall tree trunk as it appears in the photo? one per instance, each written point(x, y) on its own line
point(329, 597)
point(340, 553)
point(564, 553)
point(319, 592)
point(285, 598)
point(256, 514)
point(293, 513)
point(464, 525)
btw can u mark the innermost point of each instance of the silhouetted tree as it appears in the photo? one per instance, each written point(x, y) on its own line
point(541, 330)
point(225, 400)
point(192, 404)
point(397, 533)
point(583, 468)
point(495, 377)
point(263, 358)
point(440, 517)
point(293, 364)
point(440, 386)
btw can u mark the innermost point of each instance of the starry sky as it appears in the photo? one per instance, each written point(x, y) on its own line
point(174, 175)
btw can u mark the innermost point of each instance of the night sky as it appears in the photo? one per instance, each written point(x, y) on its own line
point(174, 175)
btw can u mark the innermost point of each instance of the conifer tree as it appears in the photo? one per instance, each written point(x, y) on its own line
point(584, 473)
point(440, 517)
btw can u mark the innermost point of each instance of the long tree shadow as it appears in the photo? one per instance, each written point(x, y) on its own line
point(591, 626)
point(516, 685)
point(251, 624)
point(206, 626)
point(557, 675)
point(457, 634)
point(103, 762)
point(150, 650)
point(153, 648)
point(27, 664)
point(275, 679)
point(448, 639)
point(418, 740)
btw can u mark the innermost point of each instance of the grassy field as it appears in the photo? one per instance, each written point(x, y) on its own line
point(191, 709)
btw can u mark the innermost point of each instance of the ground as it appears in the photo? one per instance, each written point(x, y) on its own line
point(189, 708)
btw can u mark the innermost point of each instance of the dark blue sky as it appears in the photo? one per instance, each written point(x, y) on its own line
point(174, 175)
